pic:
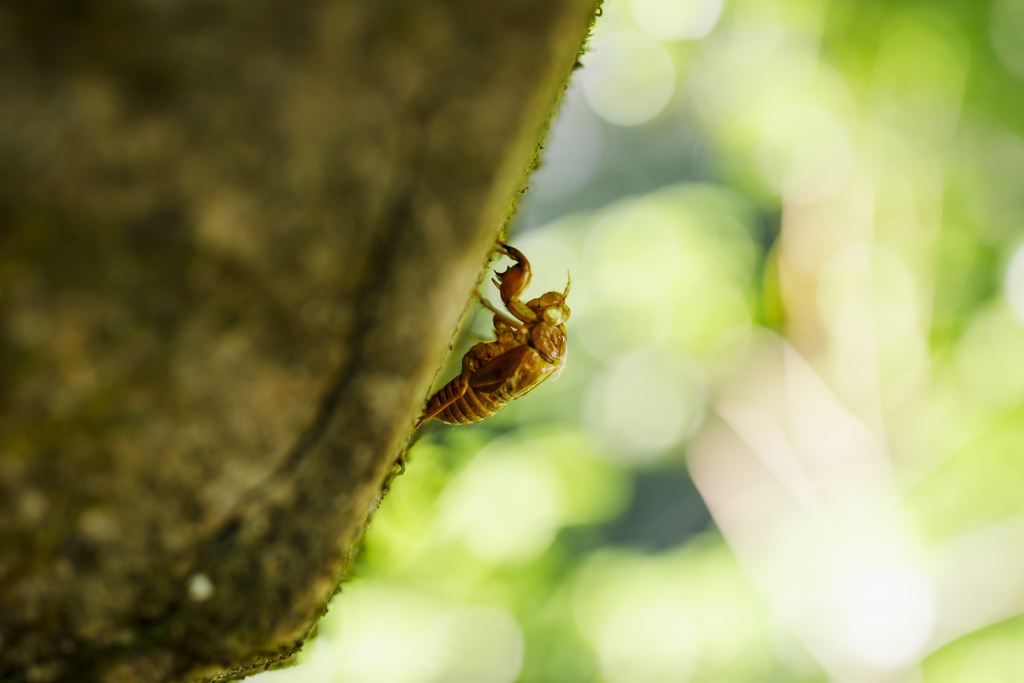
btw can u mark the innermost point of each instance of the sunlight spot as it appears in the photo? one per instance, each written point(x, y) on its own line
point(677, 19)
point(889, 614)
point(504, 508)
point(629, 79)
point(644, 405)
point(636, 255)
point(480, 645)
point(381, 637)
point(807, 154)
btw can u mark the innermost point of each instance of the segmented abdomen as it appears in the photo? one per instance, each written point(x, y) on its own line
point(472, 406)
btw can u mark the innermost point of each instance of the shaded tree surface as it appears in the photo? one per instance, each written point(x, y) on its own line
point(235, 241)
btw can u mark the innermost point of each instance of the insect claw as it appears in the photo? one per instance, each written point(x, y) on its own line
point(516, 278)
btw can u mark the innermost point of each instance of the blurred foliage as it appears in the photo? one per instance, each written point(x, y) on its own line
point(846, 174)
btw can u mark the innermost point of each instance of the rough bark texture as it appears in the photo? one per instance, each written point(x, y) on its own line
point(235, 239)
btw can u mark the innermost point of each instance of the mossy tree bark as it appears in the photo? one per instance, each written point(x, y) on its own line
point(235, 239)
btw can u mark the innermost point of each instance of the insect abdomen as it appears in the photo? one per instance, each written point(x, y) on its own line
point(472, 406)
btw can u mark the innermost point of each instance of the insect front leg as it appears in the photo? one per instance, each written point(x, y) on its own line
point(499, 317)
point(514, 282)
point(516, 278)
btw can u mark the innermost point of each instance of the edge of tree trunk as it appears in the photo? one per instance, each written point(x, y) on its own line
point(235, 240)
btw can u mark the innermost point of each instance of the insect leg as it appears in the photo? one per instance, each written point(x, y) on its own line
point(514, 282)
point(516, 278)
point(514, 324)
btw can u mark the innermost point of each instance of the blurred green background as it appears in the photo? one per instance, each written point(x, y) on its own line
point(789, 442)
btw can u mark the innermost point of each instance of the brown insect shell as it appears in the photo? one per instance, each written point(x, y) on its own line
point(546, 345)
point(506, 339)
point(550, 308)
point(532, 370)
point(546, 337)
point(549, 300)
point(549, 342)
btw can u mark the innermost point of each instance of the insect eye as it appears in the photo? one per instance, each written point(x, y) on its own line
point(556, 315)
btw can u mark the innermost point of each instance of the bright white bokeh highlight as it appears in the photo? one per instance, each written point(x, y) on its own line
point(677, 19)
point(644, 405)
point(669, 270)
point(804, 494)
point(383, 637)
point(634, 255)
point(888, 614)
point(628, 79)
point(480, 645)
point(503, 507)
point(806, 154)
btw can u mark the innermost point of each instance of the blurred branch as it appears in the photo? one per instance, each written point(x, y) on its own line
point(235, 239)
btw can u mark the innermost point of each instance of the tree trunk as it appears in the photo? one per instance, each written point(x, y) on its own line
point(235, 239)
